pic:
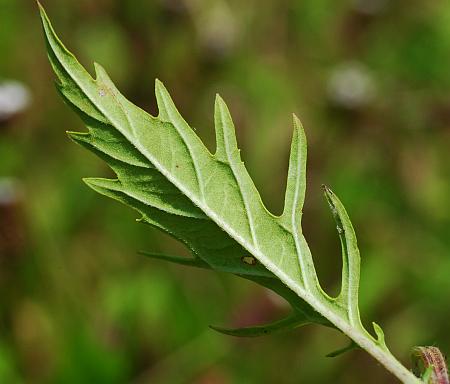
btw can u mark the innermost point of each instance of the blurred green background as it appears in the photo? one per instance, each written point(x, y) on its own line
point(370, 80)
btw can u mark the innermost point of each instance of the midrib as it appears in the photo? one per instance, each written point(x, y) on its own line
point(370, 345)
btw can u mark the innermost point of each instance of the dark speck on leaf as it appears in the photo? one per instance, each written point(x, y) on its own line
point(250, 260)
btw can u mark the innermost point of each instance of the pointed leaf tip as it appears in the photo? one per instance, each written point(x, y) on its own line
point(350, 347)
point(290, 322)
point(219, 99)
point(78, 137)
point(297, 121)
point(326, 190)
point(44, 17)
point(90, 182)
point(98, 183)
point(159, 85)
point(226, 142)
point(159, 90)
point(167, 110)
point(300, 132)
point(187, 261)
point(331, 200)
point(380, 335)
point(41, 8)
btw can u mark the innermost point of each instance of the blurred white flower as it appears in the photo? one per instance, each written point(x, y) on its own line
point(370, 7)
point(10, 191)
point(216, 24)
point(351, 85)
point(14, 97)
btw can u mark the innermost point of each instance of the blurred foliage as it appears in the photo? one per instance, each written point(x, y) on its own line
point(370, 81)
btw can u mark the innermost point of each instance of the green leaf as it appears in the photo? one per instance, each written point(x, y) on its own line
point(209, 201)
point(295, 320)
point(350, 347)
point(189, 261)
point(348, 297)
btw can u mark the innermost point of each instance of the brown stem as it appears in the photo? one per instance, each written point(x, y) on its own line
point(430, 363)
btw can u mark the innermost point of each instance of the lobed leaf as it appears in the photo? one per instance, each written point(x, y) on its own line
point(209, 201)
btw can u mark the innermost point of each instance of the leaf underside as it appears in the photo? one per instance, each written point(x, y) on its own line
point(208, 201)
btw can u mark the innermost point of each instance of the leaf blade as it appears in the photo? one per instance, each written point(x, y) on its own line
point(213, 186)
point(348, 296)
point(288, 323)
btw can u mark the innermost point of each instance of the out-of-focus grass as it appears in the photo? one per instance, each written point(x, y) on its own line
point(370, 81)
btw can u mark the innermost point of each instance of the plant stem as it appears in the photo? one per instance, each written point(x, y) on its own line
point(364, 340)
